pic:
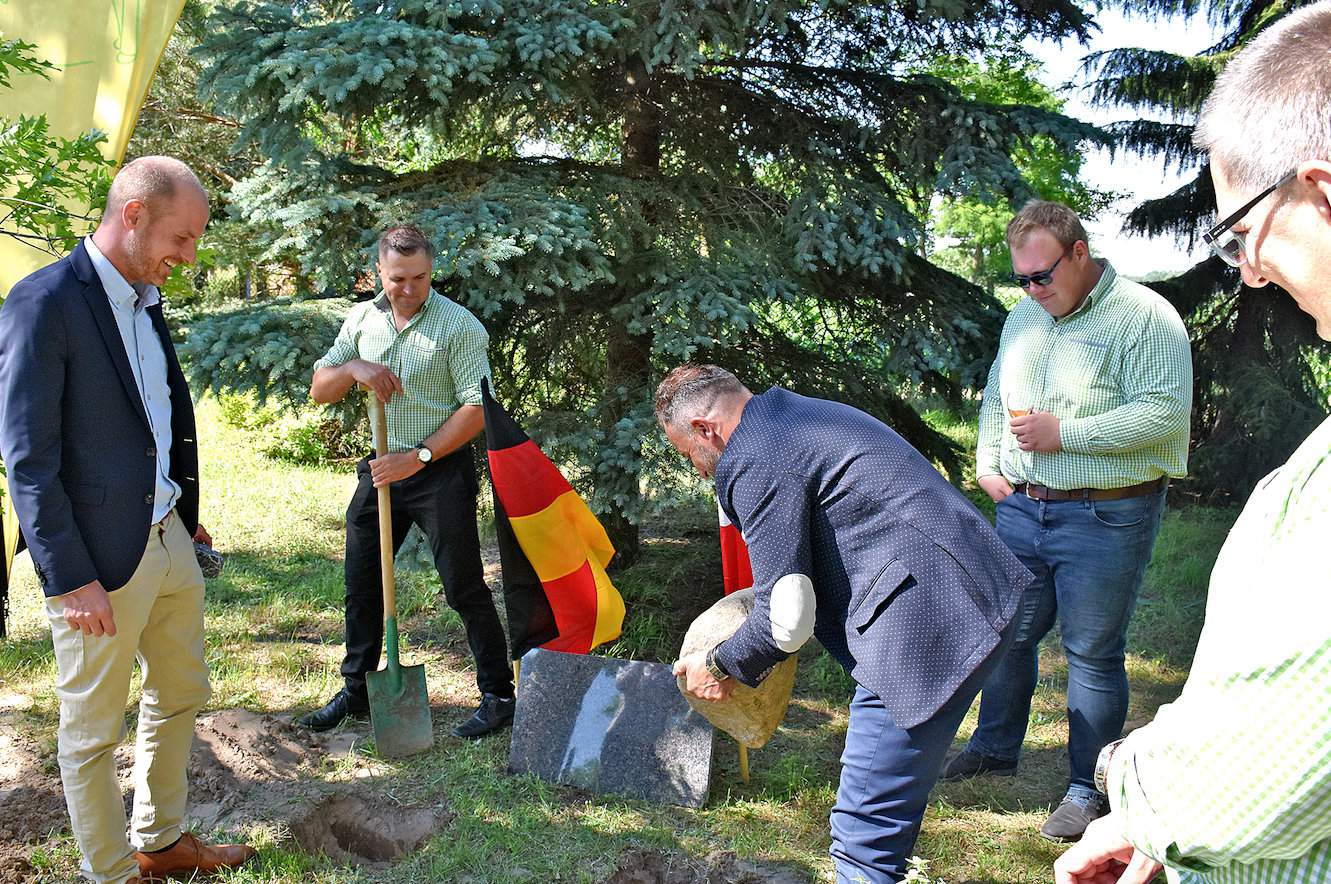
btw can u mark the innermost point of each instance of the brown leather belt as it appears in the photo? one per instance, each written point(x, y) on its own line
point(1040, 492)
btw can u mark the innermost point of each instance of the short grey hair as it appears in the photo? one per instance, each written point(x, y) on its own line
point(1271, 106)
point(150, 180)
point(692, 390)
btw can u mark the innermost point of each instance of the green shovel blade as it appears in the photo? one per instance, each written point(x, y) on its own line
point(399, 704)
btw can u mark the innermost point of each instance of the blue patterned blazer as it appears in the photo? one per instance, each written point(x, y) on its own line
point(912, 584)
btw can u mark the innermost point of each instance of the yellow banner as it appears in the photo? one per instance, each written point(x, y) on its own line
point(9, 528)
point(107, 52)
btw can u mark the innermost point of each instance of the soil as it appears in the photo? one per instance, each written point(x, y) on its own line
point(244, 767)
point(718, 867)
point(32, 806)
point(366, 830)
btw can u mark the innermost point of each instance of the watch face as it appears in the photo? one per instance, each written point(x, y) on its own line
point(424, 454)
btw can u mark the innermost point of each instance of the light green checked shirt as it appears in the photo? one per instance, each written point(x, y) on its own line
point(1231, 783)
point(439, 357)
point(1116, 372)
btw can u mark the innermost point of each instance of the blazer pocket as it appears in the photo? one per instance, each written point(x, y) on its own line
point(894, 577)
point(85, 494)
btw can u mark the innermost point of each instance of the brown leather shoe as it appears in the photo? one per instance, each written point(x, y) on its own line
point(190, 855)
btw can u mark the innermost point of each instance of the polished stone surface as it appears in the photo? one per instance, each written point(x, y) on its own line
point(615, 727)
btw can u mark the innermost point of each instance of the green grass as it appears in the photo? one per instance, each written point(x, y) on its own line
point(274, 624)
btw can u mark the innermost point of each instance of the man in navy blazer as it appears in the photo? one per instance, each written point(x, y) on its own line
point(97, 434)
point(854, 538)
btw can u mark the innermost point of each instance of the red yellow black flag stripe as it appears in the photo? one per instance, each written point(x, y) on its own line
point(552, 549)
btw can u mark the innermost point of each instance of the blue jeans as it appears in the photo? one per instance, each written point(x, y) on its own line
point(1088, 558)
point(886, 775)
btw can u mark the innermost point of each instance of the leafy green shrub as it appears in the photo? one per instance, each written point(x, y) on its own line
point(316, 437)
point(239, 410)
point(222, 285)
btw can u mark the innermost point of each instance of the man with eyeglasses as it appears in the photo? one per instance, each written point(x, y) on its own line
point(1084, 421)
point(1231, 783)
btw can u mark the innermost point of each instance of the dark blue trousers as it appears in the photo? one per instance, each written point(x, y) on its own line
point(887, 773)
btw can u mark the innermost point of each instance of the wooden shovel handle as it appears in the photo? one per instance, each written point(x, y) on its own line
point(379, 427)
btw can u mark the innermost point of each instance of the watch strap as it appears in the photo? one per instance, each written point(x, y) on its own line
point(1102, 766)
point(713, 668)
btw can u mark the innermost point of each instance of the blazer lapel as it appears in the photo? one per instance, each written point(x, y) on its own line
point(95, 294)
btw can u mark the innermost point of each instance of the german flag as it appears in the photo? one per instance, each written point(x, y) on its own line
point(552, 549)
point(736, 571)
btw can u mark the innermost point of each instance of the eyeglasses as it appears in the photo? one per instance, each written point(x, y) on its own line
point(1229, 244)
point(1043, 277)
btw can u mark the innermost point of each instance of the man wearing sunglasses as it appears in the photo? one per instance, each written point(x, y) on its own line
point(1084, 421)
point(1232, 782)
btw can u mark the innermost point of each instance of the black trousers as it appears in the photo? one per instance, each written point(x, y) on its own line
point(441, 499)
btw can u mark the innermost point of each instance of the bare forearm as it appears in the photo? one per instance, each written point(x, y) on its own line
point(460, 428)
point(332, 382)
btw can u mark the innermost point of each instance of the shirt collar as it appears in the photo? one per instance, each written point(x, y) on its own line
point(120, 292)
point(1102, 287)
point(382, 305)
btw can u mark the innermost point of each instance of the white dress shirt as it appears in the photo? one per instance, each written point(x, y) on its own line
point(147, 359)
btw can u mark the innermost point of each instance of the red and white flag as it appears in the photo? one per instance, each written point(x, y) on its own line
point(736, 573)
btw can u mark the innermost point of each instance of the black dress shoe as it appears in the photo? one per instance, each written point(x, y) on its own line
point(493, 713)
point(343, 706)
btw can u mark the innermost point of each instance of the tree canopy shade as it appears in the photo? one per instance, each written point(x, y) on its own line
point(1256, 391)
point(618, 186)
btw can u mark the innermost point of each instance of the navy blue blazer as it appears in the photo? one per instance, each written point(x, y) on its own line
point(74, 435)
point(913, 586)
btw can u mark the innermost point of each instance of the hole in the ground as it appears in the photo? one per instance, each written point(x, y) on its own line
point(366, 831)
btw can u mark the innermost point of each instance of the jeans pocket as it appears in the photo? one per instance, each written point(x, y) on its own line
point(1126, 513)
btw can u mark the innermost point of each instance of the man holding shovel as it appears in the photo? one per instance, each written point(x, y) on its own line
point(424, 357)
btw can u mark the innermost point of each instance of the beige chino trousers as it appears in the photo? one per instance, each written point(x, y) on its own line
point(159, 622)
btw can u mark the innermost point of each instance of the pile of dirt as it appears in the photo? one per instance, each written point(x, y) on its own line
point(246, 766)
point(718, 867)
point(32, 805)
point(14, 865)
point(367, 830)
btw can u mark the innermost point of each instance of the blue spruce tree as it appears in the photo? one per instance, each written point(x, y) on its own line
point(617, 186)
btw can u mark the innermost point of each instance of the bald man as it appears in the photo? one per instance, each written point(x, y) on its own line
point(97, 433)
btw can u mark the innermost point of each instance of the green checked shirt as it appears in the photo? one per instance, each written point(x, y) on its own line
point(439, 357)
point(1116, 372)
point(1231, 784)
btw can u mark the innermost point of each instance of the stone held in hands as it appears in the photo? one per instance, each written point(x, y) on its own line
point(751, 715)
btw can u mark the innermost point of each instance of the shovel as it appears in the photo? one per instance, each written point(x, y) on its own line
point(399, 702)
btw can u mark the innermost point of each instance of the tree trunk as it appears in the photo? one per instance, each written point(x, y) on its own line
point(628, 356)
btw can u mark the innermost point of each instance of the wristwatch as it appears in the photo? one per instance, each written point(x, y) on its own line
point(1102, 766)
point(423, 453)
point(713, 668)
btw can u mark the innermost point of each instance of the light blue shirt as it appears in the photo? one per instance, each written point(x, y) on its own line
point(147, 360)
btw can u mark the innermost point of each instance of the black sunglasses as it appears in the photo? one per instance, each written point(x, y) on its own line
point(1042, 277)
point(1230, 245)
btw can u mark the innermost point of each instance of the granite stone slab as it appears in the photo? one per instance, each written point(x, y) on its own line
point(616, 727)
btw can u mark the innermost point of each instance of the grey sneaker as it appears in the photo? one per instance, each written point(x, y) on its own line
point(966, 764)
point(1070, 820)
